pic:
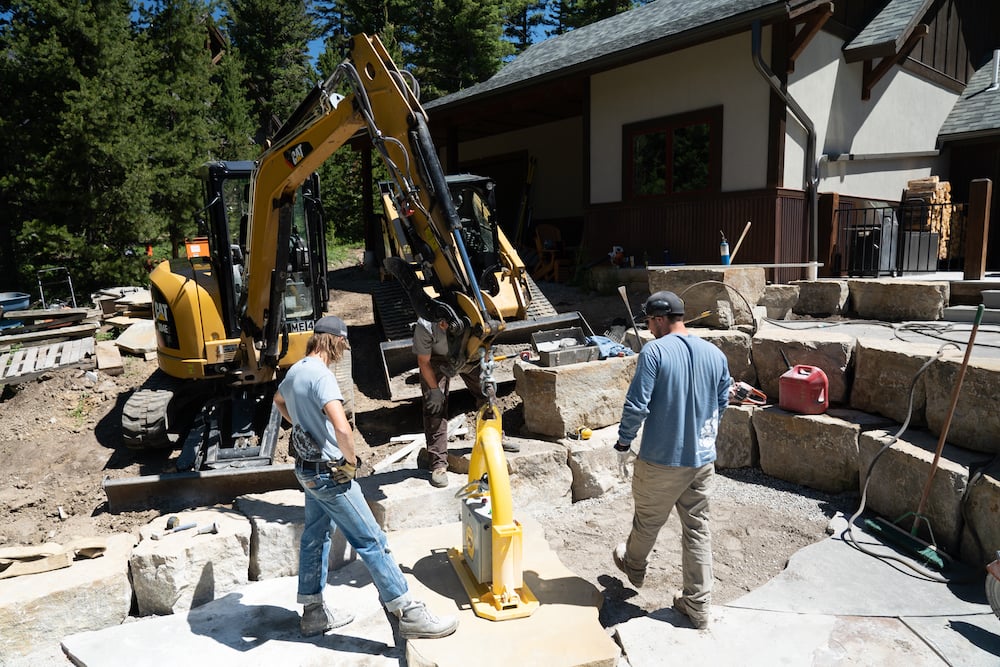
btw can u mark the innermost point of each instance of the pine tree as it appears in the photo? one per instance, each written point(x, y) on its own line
point(180, 93)
point(457, 44)
point(522, 19)
point(272, 37)
point(79, 171)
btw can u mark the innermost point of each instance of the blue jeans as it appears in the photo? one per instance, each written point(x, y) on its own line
point(330, 506)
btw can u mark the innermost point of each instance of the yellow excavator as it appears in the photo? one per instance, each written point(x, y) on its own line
point(236, 312)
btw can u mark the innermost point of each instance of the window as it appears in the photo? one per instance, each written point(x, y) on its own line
point(673, 155)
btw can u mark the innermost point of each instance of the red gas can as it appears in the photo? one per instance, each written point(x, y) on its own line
point(805, 390)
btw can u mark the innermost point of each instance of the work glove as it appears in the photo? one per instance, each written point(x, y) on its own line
point(434, 400)
point(344, 472)
point(626, 459)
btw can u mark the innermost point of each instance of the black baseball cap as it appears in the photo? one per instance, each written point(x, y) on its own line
point(331, 324)
point(661, 303)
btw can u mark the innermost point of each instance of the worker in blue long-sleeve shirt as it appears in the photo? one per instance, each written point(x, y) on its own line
point(680, 389)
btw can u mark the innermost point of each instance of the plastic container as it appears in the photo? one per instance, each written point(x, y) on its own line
point(804, 390)
point(13, 301)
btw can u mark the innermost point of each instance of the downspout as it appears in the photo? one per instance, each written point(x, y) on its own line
point(811, 171)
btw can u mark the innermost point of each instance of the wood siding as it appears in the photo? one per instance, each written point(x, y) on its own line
point(688, 231)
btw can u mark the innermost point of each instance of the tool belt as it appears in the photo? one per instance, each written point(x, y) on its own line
point(318, 467)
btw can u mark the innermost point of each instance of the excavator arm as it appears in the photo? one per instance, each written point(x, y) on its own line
point(369, 93)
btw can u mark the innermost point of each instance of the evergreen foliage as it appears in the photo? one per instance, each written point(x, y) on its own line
point(110, 107)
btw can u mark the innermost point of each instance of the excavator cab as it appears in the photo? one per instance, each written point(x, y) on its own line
point(198, 304)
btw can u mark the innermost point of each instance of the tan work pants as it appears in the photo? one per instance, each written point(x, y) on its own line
point(656, 490)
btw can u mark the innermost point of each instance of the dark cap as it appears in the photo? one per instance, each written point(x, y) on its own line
point(661, 303)
point(331, 324)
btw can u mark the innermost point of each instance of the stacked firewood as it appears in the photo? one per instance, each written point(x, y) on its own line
point(935, 215)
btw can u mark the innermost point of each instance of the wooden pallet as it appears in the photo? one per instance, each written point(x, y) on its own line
point(27, 363)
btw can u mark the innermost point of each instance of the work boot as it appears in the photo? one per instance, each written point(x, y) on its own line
point(417, 622)
point(699, 619)
point(636, 576)
point(317, 619)
point(439, 478)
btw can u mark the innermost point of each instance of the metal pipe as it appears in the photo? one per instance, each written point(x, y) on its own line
point(811, 169)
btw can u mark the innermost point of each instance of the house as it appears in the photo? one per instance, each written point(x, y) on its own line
point(661, 127)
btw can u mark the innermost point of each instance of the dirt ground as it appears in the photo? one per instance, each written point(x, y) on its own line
point(59, 437)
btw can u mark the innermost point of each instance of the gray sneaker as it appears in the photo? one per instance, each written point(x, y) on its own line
point(637, 577)
point(317, 619)
point(417, 622)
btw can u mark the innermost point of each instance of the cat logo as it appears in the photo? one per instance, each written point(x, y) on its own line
point(297, 153)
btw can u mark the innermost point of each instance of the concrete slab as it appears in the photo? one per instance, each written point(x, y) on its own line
point(258, 624)
point(833, 605)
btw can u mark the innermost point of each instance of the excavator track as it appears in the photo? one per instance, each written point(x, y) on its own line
point(146, 415)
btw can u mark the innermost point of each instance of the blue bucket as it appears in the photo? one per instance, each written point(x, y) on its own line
point(13, 301)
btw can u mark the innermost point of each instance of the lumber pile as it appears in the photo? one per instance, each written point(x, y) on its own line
point(927, 207)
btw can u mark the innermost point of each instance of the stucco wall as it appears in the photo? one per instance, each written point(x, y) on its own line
point(557, 187)
point(903, 115)
point(720, 73)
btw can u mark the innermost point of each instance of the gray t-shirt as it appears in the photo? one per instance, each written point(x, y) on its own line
point(428, 338)
point(307, 388)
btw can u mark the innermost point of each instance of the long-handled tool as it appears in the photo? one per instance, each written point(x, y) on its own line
point(624, 294)
point(736, 248)
point(928, 552)
point(918, 515)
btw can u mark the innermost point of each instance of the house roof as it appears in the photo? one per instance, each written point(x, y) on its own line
point(977, 111)
point(887, 32)
point(663, 25)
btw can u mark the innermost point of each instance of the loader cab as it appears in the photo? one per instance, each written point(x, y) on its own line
point(475, 200)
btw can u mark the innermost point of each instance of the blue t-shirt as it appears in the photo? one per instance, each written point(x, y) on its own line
point(680, 389)
point(307, 388)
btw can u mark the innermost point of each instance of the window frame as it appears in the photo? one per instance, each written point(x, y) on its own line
point(711, 116)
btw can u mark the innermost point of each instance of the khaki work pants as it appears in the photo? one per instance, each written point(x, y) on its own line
point(657, 489)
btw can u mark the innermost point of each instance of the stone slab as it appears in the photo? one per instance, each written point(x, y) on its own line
point(727, 294)
point(39, 609)
point(828, 350)
point(276, 524)
point(898, 479)
point(818, 451)
point(975, 424)
point(821, 298)
point(736, 445)
point(888, 381)
point(186, 569)
point(898, 301)
point(258, 624)
point(564, 399)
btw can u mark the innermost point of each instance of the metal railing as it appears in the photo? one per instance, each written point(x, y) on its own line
point(910, 238)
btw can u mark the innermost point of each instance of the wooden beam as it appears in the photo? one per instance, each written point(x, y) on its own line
point(978, 229)
point(872, 75)
point(813, 22)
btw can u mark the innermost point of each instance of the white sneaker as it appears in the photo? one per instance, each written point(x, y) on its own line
point(417, 622)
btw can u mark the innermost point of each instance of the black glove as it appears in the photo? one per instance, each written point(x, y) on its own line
point(344, 472)
point(434, 400)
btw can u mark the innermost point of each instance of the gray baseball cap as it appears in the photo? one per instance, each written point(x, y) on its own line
point(331, 324)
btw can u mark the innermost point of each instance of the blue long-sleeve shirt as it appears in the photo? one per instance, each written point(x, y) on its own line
point(680, 389)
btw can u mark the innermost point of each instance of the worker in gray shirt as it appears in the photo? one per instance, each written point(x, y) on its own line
point(430, 345)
